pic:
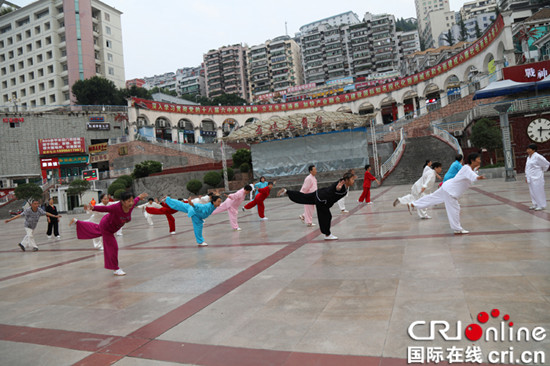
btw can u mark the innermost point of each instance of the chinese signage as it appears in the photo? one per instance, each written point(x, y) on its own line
point(97, 119)
point(296, 88)
point(98, 158)
point(83, 159)
point(208, 133)
point(527, 72)
point(97, 148)
point(473, 50)
point(98, 126)
point(63, 145)
point(13, 120)
point(49, 163)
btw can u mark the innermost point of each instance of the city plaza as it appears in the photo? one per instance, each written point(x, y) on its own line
point(275, 293)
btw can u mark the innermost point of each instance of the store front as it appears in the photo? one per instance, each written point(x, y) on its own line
point(62, 159)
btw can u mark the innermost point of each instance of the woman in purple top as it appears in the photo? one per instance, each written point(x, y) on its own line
point(118, 215)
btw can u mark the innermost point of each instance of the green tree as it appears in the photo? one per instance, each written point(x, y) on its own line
point(477, 30)
point(6, 10)
point(241, 156)
point(228, 99)
point(118, 192)
point(145, 168)
point(448, 38)
point(463, 31)
point(156, 89)
point(126, 180)
point(486, 134)
point(115, 186)
point(78, 187)
point(97, 91)
point(244, 168)
point(27, 191)
point(212, 179)
point(136, 91)
point(230, 173)
point(194, 186)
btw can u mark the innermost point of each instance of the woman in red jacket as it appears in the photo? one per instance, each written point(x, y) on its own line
point(263, 193)
point(365, 196)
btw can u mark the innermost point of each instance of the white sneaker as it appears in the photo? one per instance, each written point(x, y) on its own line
point(100, 248)
point(203, 244)
point(172, 233)
point(49, 236)
point(119, 272)
point(539, 209)
point(426, 217)
point(58, 237)
point(237, 229)
point(532, 207)
point(331, 237)
point(281, 192)
point(459, 232)
point(370, 203)
point(345, 211)
point(302, 218)
point(310, 225)
point(263, 218)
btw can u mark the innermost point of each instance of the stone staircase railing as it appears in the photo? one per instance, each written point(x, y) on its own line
point(447, 137)
point(392, 161)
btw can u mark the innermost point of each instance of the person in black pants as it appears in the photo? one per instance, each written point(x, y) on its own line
point(53, 222)
point(323, 199)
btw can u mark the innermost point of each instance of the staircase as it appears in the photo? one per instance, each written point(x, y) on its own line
point(417, 150)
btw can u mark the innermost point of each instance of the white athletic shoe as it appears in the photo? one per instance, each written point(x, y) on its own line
point(172, 233)
point(460, 232)
point(539, 208)
point(310, 225)
point(49, 236)
point(119, 272)
point(263, 218)
point(370, 203)
point(426, 217)
point(302, 218)
point(58, 237)
point(331, 237)
point(532, 207)
point(237, 229)
point(281, 192)
point(345, 211)
point(203, 244)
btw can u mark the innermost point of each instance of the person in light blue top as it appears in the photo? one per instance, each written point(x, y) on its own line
point(454, 168)
point(261, 184)
point(197, 212)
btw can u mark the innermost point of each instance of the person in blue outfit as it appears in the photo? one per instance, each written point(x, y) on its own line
point(198, 212)
point(454, 168)
point(261, 184)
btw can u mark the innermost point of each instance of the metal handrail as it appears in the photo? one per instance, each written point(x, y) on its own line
point(446, 136)
point(394, 158)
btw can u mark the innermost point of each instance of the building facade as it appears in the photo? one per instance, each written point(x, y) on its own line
point(273, 67)
point(225, 71)
point(333, 21)
point(191, 81)
point(47, 46)
point(164, 81)
point(429, 28)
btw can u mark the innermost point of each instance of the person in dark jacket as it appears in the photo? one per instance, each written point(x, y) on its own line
point(323, 199)
point(53, 222)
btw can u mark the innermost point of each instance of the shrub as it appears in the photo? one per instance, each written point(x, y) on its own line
point(194, 186)
point(118, 192)
point(241, 156)
point(115, 187)
point(244, 168)
point(146, 167)
point(230, 173)
point(126, 180)
point(28, 191)
point(212, 179)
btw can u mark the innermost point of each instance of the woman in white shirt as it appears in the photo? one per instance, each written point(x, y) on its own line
point(535, 167)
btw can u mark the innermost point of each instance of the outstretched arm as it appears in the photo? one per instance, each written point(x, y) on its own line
point(13, 218)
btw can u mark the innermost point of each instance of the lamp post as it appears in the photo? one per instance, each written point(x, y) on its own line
point(502, 109)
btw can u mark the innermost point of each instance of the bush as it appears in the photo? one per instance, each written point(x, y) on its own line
point(194, 186)
point(244, 168)
point(230, 173)
point(212, 179)
point(147, 167)
point(126, 180)
point(241, 156)
point(115, 187)
point(27, 191)
point(118, 192)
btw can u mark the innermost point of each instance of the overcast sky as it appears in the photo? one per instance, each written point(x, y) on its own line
point(164, 35)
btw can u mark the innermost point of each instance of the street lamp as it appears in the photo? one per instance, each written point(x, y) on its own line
point(502, 109)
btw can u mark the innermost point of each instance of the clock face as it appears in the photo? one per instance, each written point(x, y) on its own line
point(539, 130)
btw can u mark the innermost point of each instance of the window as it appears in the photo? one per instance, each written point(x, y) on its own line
point(15, 124)
point(37, 30)
point(29, 47)
point(38, 44)
point(13, 82)
point(18, 37)
point(52, 98)
point(33, 103)
point(49, 55)
point(111, 71)
point(39, 58)
point(4, 85)
point(12, 68)
point(3, 71)
point(28, 33)
point(23, 92)
point(109, 44)
point(32, 90)
point(107, 29)
point(40, 72)
point(21, 78)
point(109, 57)
point(47, 26)
point(48, 40)
point(19, 51)
point(66, 96)
point(50, 69)
point(41, 87)
point(51, 84)
point(31, 75)
point(43, 101)
point(21, 65)
point(107, 17)
point(10, 54)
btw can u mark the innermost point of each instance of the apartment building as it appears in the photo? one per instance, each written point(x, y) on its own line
point(474, 8)
point(190, 80)
point(333, 21)
point(225, 71)
point(521, 9)
point(48, 45)
point(273, 67)
point(430, 27)
point(164, 81)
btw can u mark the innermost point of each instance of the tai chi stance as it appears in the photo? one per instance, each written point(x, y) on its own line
point(231, 205)
point(365, 196)
point(535, 166)
point(309, 186)
point(118, 214)
point(450, 192)
point(261, 195)
point(166, 211)
point(97, 216)
point(323, 199)
point(32, 215)
point(53, 222)
point(420, 188)
point(152, 204)
point(197, 212)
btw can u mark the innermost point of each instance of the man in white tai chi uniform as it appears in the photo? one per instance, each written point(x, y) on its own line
point(535, 166)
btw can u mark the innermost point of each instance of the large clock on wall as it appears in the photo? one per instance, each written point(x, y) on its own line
point(539, 130)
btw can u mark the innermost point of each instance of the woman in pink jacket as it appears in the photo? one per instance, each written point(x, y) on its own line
point(231, 205)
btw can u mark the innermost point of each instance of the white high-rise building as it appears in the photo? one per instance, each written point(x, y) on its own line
point(46, 46)
point(428, 26)
point(333, 21)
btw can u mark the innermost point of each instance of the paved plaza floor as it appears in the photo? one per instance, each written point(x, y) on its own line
point(276, 293)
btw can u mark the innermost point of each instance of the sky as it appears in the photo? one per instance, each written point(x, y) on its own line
point(165, 35)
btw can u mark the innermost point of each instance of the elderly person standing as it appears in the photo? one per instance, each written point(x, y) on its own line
point(309, 186)
point(535, 167)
